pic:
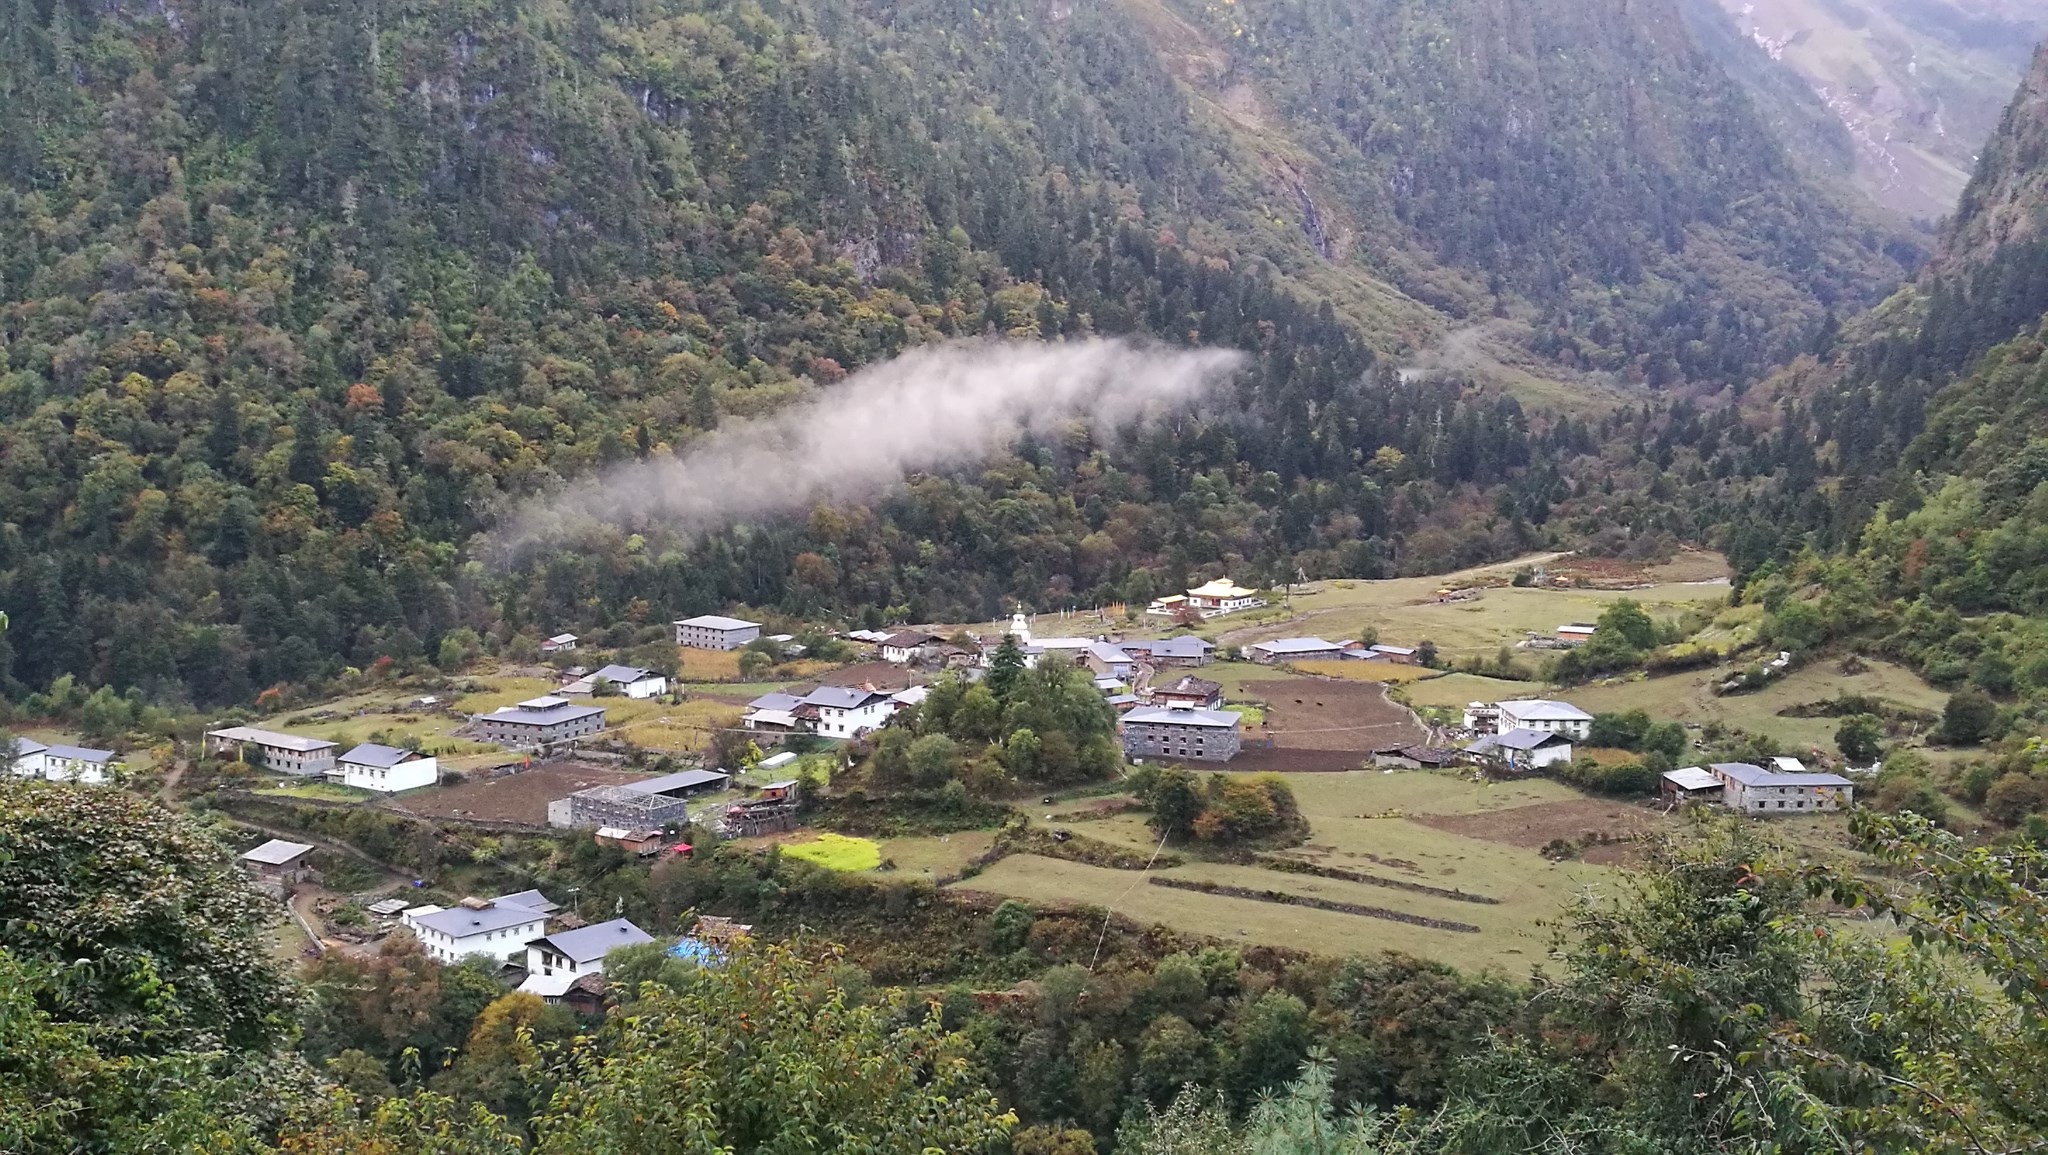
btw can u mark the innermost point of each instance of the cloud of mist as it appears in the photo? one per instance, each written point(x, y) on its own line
point(933, 407)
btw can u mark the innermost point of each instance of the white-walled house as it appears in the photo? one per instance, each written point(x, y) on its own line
point(844, 711)
point(61, 763)
point(386, 769)
point(555, 961)
point(64, 762)
point(1545, 715)
point(632, 681)
point(498, 927)
point(1522, 750)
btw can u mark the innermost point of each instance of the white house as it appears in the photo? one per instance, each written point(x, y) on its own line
point(1751, 789)
point(386, 769)
point(1482, 718)
point(554, 961)
point(559, 644)
point(1546, 715)
point(632, 681)
point(1523, 750)
point(844, 711)
point(1210, 599)
point(906, 646)
point(498, 927)
point(715, 632)
point(61, 763)
point(283, 753)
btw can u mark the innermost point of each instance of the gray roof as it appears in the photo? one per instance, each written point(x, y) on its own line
point(591, 943)
point(1183, 647)
point(79, 753)
point(26, 746)
point(1750, 775)
point(1545, 710)
point(621, 795)
point(1522, 738)
point(842, 697)
point(1104, 652)
point(775, 701)
point(270, 738)
point(1168, 716)
point(371, 754)
point(1692, 778)
point(718, 622)
point(1403, 651)
point(461, 921)
point(551, 716)
point(624, 674)
point(1192, 685)
point(680, 780)
point(1121, 699)
point(277, 852)
point(1296, 646)
point(532, 899)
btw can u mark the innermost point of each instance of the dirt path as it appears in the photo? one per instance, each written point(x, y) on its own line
point(168, 792)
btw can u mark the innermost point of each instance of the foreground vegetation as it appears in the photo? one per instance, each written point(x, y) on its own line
point(1794, 1031)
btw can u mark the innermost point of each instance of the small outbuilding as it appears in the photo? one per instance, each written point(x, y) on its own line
point(278, 864)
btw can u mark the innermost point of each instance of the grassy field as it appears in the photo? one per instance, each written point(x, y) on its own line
point(1459, 689)
point(925, 856)
point(1368, 822)
point(317, 790)
point(1687, 698)
point(1405, 611)
point(1355, 671)
point(837, 852)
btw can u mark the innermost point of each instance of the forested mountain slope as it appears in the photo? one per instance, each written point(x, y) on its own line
point(1930, 433)
point(295, 298)
point(1589, 158)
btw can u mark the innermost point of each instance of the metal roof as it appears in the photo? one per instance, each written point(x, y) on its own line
point(1181, 647)
point(25, 746)
point(842, 697)
point(1750, 775)
point(680, 780)
point(1545, 710)
point(1170, 716)
point(526, 714)
point(371, 754)
point(591, 943)
point(530, 898)
point(1692, 778)
point(719, 622)
point(1522, 738)
point(1295, 646)
point(78, 753)
point(462, 922)
point(1192, 685)
point(624, 674)
point(775, 700)
point(277, 852)
point(270, 738)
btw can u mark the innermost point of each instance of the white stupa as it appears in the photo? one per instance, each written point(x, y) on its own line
point(1020, 628)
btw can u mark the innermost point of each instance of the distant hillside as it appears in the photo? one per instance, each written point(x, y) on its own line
point(295, 300)
point(1927, 479)
point(1917, 84)
point(1589, 159)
